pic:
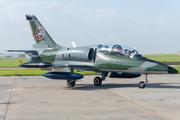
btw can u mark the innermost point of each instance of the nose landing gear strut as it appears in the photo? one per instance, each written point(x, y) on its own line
point(142, 84)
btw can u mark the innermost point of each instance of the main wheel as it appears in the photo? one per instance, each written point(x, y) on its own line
point(97, 81)
point(142, 84)
point(71, 83)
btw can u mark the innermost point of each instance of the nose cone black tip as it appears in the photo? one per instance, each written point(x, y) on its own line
point(172, 70)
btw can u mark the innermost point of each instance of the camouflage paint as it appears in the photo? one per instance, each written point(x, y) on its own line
point(49, 55)
point(122, 63)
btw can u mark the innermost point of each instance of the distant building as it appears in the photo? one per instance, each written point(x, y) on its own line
point(7, 55)
point(21, 55)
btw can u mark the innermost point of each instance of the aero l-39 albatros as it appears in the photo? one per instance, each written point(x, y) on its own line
point(116, 61)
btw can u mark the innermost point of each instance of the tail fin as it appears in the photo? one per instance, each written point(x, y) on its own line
point(39, 33)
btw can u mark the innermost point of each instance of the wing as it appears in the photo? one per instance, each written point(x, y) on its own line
point(80, 66)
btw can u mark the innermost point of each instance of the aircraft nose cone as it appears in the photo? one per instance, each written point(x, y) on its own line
point(172, 70)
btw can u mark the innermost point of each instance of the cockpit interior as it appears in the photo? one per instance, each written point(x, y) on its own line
point(119, 50)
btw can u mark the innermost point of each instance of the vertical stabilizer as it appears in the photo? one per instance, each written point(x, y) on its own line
point(39, 33)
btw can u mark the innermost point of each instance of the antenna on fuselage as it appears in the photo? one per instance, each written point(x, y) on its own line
point(74, 45)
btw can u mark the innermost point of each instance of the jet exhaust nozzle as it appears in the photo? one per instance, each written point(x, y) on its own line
point(63, 75)
point(36, 65)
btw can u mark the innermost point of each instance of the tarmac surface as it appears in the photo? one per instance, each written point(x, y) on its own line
point(39, 98)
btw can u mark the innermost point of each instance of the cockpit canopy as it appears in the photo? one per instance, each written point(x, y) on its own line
point(119, 50)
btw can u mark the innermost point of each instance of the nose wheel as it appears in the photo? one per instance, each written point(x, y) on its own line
point(98, 80)
point(142, 84)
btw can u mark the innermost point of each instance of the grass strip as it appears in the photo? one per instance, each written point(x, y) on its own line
point(34, 72)
point(177, 68)
point(11, 62)
point(163, 57)
point(23, 72)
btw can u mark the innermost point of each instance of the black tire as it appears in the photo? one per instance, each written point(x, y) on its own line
point(142, 85)
point(71, 83)
point(97, 81)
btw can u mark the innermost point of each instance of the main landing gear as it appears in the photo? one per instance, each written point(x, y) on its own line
point(71, 83)
point(98, 80)
point(142, 84)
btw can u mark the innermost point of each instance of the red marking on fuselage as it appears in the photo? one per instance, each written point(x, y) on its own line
point(97, 57)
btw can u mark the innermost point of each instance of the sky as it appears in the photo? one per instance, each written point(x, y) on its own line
point(149, 26)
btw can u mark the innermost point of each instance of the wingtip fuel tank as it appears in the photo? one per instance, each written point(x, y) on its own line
point(63, 75)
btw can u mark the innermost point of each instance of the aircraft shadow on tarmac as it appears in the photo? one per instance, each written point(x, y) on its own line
point(116, 85)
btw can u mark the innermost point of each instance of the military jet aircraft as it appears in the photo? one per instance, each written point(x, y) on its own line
point(113, 60)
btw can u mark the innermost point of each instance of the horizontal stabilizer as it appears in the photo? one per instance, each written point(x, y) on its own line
point(26, 51)
point(36, 65)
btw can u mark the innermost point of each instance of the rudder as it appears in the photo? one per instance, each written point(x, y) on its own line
point(39, 33)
